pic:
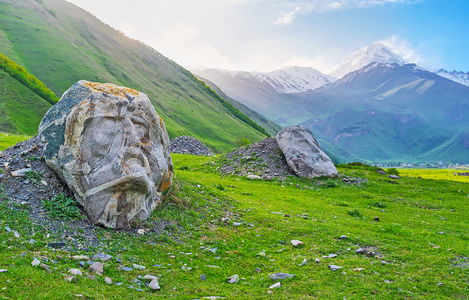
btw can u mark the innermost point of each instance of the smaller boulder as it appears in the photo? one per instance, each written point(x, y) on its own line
point(303, 153)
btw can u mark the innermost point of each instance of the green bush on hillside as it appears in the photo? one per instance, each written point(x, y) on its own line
point(392, 171)
point(20, 74)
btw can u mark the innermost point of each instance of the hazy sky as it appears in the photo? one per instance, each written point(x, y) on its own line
point(264, 35)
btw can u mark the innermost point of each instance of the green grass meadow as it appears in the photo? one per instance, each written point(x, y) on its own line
point(420, 242)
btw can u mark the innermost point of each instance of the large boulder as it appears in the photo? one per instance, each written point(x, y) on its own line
point(303, 153)
point(111, 148)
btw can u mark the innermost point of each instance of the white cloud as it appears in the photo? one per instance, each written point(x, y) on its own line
point(403, 48)
point(183, 42)
point(307, 6)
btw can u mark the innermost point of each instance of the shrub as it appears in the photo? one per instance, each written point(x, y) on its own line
point(392, 171)
point(242, 142)
point(355, 213)
point(33, 176)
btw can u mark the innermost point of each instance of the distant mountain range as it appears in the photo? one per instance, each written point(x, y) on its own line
point(60, 43)
point(381, 109)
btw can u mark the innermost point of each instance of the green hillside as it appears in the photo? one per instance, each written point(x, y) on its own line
point(270, 126)
point(21, 110)
point(60, 44)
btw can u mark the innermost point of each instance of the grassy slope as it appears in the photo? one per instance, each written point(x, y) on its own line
point(61, 44)
point(270, 126)
point(21, 110)
point(414, 259)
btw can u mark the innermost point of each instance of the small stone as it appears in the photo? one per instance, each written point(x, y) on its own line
point(376, 219)
point(20, 172)
point(149, 277)
point(31, 241)
point(43, 182)
point(97, 268)
point(332, 255)
point(439, 283)
point(237, 224)
point(118, 283)
point(155, 285)
point(80, 257)
point(2, 154)
point(316, 260)
point(233, 279)
point(56, 245)
point(275, 285)
point(303, 263)
point(343, 237)
point(296, 243)
point(261, 254)
point(70, 278)
point(141, 231)
point(360, 251)
point(258, 270)
point(138, 267)
point(127, 269)
point(35, 262)
point(8, 229)
point(16, 234)
point(286, 216)
point(82, 263)
point(45, 267)
point(393, 176)
point(102, 257)
point(3, 270)
point(281, 276)
point(334, 267)
point(254, 177)
point(203, 277)
point(358, 269)
point(441, 232)
point(75, 272)
point(108, 280)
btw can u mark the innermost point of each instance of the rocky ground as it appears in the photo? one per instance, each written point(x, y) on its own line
point(39, 184)
point(263, 158)
point(189, 145)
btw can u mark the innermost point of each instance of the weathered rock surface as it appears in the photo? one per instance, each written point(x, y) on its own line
point(111, 148)
point(303, 153)
point(189, 145)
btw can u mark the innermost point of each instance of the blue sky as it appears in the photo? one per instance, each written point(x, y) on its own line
point(264, 35)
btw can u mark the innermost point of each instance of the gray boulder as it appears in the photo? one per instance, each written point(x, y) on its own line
point(303, 153)
point(111, 148)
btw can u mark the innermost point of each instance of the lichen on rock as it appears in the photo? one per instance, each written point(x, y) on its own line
point(112, 149)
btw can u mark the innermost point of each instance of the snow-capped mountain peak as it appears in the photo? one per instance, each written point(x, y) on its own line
point(375, 52)
point(459, 77)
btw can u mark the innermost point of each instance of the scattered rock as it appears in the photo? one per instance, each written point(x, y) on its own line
point(16, 234)
point(258, 270)
point(381, 171)
point(92, 118)
point(127, 269)
point(303, 153)
point(138, 267)
point(108, 280)
point(102, 257)
point(35, 262)
point(97, 268)
point(303, 263)
point(20, 172)
point(80, 257)
point(376, 219)
point(3, 270)
point(189, 145)
point(343, 237)
point(275, 285)
point(233, 279)
point(155, 285)
point(70, 278)
point(393, 176)
point(141, 231)
point(316, 260)
point(261, 254)
point(358, 269)
point(334, 267)
point(203, 277)
point(281, 276)
point(56, 245)
point(2, 154)
point(296, 243)
point(254, 177)
point(75, 272)
point(149, 277)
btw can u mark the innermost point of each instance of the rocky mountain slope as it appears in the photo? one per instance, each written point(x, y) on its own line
point(60, 44)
